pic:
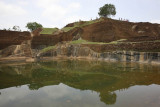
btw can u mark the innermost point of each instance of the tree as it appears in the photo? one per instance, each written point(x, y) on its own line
point(107, 10)
point(33, 25)
point(16, 28)
point(9, 29)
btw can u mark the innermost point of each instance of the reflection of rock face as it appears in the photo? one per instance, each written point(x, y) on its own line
point(104, 78)
point(75, 51)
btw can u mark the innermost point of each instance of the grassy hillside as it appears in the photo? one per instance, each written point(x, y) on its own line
point(49, 30)
point(79, 24)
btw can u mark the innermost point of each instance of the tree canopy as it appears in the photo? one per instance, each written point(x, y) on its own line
point(33, 25)
point(107, 10)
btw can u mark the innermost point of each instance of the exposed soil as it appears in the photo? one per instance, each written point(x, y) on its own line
point(110, 30)
point(8, 38)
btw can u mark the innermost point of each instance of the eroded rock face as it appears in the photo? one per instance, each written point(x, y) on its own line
point(18, 50)
point(8, 38)
point(45, 40)
point(8, 51)
point(36, 32)
point(79, 51)
point(110, 30)
point(24, 49)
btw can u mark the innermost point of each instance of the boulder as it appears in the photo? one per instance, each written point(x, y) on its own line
point(8, 51)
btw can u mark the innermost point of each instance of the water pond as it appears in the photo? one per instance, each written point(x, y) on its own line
point(73, 83)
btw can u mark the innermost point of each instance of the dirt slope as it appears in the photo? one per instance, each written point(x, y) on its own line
point(110, 30)
point(8, 38)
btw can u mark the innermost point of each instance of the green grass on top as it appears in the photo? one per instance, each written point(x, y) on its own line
point(49, 30)
point(66, 29)
point(81, 41)
point(48, 49)
point(78, 24)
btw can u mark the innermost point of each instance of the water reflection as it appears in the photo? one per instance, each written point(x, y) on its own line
point(72, 82)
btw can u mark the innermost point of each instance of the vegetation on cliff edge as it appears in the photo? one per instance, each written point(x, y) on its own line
point(81, 24)
point(48, 49)
point(33, 26)
point(82, 41)
point(49, 30)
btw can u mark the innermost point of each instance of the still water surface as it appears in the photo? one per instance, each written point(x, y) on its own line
point(67, 83)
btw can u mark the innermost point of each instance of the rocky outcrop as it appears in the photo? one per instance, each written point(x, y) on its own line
point(18, 50)
point(80, 51)
point(23, 49)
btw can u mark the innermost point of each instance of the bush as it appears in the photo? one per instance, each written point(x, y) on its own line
point(33, 25)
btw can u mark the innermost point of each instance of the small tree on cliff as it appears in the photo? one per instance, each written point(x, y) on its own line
point(107, 10)
point(16, 28)
point(33, 25)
